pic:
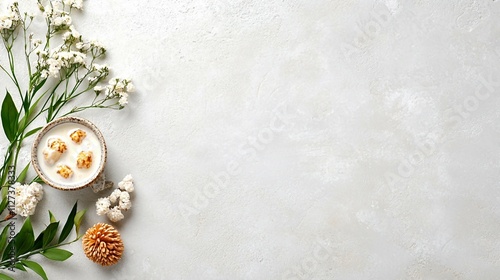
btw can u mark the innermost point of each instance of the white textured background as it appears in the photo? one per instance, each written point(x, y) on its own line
point(295, 139)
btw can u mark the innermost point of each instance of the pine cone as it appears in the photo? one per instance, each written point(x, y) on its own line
point(102, 244)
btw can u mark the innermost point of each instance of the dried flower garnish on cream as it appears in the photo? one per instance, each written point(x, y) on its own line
point(65, 171)
point(84, 160)
point(55, 148)
point(57, 145)
point(78, 135)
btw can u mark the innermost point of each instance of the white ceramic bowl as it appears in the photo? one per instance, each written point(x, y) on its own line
point(90, 179)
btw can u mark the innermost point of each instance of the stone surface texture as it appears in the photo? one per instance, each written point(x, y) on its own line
point(301, 139)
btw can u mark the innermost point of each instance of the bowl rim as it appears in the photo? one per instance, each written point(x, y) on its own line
point(54, 123)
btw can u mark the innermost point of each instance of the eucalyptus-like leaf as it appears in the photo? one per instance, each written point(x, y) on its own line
point(22, 175)
point(20, 266)
point(9, 251)
point(9, 116)
point(3, 238)
point(4, 203)
point(26, 105)
point(39, 85)
point(52, 217)
point(50, 233)
point(57, 254)
point(68, 225)
point(33, 131)
point(78, 220)
point(46, 236)
point(35, 267)
point(24, 239)
point(38, 180)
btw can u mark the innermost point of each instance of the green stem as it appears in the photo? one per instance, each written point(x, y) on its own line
point(7, 263)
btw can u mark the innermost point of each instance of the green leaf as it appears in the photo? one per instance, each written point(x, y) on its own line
point(9, 251)
point(68, 225)
point(24, 239)
point(38, 180)
point(78, 220)
point(46, 236)
point(39, 86)
point(9, 116)
point(26, 105)
point(57, 254)
point(33, 131)
point(5, 277)
point(3, 238)
point(22, 175)
point(50, 233)
point(20, 266)
point(35, 267)
point(52, 217)
point(4, 203)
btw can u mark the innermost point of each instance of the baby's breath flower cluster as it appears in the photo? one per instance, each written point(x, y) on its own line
point(74, 62)
point(27, 197)
point(10, 20)
point(118, 201)
point(116, 88)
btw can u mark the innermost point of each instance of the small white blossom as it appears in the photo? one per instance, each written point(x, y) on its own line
point(130, 87)
point(128, 178)
point(97, 45)
point(77, 4)
point(54, 67)
point(123, 99)
point(11, 19)
point(114, 196)
point(102, 206)
point(72, 36)
point(117, 201)
point(126, 184)
point(125, 203)
point(27, 197)
point(57, 17)
point(61, 21)
point(124, 197)
point(115, 214)
point(98, 89)
point(119, 88)
point(59, 60)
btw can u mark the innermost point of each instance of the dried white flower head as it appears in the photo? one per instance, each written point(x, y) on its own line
point(56, 15)
point(117, 201)
point(72, 36)
point(115, 214)
point(27, 197)
point(10, 20)
point(124, 203)
point(114, 196)
point(102, 206)
point(127, 184)
point(77, 4)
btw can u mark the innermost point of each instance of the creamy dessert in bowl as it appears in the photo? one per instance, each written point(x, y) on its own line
point(69, 154)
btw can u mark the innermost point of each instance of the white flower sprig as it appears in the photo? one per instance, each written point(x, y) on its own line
point(10, 20)
point(74, 62)
point(27, 197)
point(118, 201)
